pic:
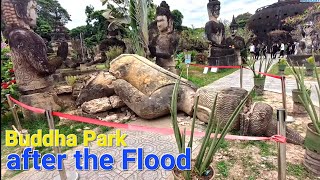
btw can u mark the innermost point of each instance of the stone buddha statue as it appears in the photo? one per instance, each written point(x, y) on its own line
point(29, 53)
point(164, 45)
point(306, 43)
point(234, 41)
point(220, 53)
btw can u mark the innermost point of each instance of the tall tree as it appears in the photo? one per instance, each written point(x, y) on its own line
point(50, 12)
point(95, 29)
point(242, 19)
point(177, 19)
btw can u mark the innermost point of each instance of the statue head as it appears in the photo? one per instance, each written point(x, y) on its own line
point(213, 8)
point(164, 18)
point(233, 27)
point(19, 13)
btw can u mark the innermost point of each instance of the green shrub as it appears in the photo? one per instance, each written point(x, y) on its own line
point(282, 61)
point(8, 82)
point(71, 80)
point(311, 60)
point(114, 52)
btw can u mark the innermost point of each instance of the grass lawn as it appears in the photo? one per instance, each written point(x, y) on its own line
point(198, 78)
point(287, 72)
point(101, 66)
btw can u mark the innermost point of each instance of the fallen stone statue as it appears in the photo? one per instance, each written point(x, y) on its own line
point(146, 89)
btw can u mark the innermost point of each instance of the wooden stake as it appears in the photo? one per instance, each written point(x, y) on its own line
point(14, 113)
point(56, 149)
point(284, 96)
point(281, 129)
point(241, 75)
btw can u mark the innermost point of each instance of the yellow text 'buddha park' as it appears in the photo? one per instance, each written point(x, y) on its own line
point(54, 138)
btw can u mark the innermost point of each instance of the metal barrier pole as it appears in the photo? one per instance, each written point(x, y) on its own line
point(281, 129)
point(14, 113)
point(56, 149)
point(241, 75)
point(284, 96)
point(188, 71)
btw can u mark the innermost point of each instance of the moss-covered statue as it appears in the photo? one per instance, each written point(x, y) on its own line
point(29, 53)
point(236, 42)
point(220, 53)
point(163, 45)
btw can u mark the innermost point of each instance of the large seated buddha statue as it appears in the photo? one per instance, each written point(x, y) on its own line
point(220, 53)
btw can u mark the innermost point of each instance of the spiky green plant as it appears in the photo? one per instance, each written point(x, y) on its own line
point(282, 61)
point(263, 63)
point(71, 80)
point(305, 98)
point(311, 60)
point(114, 52)
point(209, 145)
point(136, 17)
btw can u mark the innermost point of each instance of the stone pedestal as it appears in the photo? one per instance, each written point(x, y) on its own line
point(222, 57)
point(298, 108)
point(40, 100)
point(312, 162)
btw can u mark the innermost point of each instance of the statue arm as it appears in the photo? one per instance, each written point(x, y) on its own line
point(31, 47)
point(145, 106)
point(153, 50)
point(175, 44)
point(163, 55)
point(152, 47)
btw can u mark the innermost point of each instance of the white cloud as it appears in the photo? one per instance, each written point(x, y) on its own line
point(194, 11)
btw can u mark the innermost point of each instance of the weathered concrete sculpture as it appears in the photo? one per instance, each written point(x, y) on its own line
point(235, 42)
point(147, 88)
point(163, 45)
point(255, 119)
point(220, 53)
point(258, 121)
point(306, 44)
point(32, 69)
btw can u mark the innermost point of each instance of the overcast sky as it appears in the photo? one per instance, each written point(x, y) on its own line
point(194, 11)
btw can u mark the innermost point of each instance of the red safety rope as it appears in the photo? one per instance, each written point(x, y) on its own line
point(221, 67)
point(236, 67)
point(166, 131)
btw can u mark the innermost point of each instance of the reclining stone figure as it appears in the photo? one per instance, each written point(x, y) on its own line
point(146, 88)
